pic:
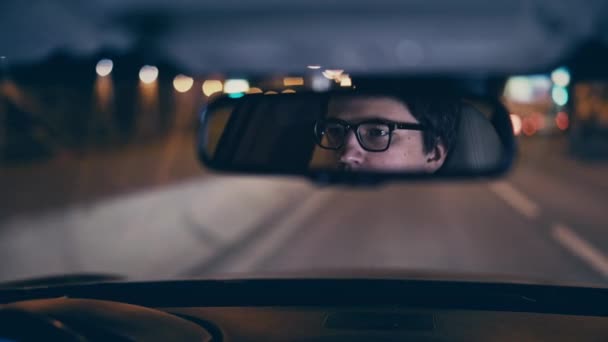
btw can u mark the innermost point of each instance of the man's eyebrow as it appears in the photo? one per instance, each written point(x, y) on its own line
point(370, 117)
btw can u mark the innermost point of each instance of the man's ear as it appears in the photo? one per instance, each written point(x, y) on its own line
point(436, 158)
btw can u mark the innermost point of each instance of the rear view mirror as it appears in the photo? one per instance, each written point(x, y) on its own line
point(358, 135)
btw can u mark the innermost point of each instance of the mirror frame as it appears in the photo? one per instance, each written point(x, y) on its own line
point(326, 177)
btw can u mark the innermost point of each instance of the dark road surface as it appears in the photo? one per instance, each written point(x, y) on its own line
point(546, 221)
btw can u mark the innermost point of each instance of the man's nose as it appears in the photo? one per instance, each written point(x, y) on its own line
point(351, 154)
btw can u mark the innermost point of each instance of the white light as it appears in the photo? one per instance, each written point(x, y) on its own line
point(320, 83)
point(345, 81)
point(559, 95)
point(236, 86)
point(148, 74)
point(519, 89)
point(516, 123)
point(211, 87)
point(314, 67)
point(182, 83)
point(104, 67)
point(333, 74)
point(561, 77)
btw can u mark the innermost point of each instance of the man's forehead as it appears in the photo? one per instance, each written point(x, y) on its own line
point(368, 107)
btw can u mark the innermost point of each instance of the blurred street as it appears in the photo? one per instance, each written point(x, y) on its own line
point(546, 221)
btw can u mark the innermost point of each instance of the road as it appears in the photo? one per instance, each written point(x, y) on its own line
point(546, 221)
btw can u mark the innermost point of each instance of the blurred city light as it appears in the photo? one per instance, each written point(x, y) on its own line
point(211, 87)
point(539, 121)
point(519, 89)
point(148, 74)
point(293, 81)
point(527, 89)
point(104, 67)
point(345, 81)
point(562, 121)
point(270, 92)
point(236, 95)
point(528, 126)
point(314, 67)
point(183, 83)
point(561, 77)
point(255, 90)
point(236, 86)
point(333, 74)
point(320, 83)
point(288, 91)
point(516, 123)
point(559, 95)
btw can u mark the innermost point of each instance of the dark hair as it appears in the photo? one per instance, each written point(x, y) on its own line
point(440, 115)
point(438, 108)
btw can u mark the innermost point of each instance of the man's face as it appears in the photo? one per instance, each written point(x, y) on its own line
point(405, 152)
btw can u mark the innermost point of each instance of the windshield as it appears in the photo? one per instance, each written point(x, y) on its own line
point(99, 175)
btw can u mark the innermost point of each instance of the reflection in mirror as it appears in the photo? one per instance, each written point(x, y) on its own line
point(355, 131)
point(380, 133)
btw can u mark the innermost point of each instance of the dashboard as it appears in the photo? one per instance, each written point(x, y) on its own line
point(95, 320)
point(303, 310)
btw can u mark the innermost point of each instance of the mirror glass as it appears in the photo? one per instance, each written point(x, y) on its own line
point(388, 132)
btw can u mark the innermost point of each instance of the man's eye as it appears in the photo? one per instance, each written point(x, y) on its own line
point(377, 132)
point(335, 131)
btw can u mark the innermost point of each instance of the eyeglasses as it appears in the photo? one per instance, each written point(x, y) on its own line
point(372, 135)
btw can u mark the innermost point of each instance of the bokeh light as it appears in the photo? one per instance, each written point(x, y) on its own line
point(561, 77)
point(148, 74)
point(293, 81)
point(527, 89)
point(559, 95)
point(320, 83)
point(183, 83)
point(104, 67)
point(345, 81)
point(236, 86)
point(211, 87)
point(288, 91)
point(528, 127)
point(562, 121)
point(519, 89)
point(516, 123)
point(255, 90)
point(539, 121)
point(333, 74)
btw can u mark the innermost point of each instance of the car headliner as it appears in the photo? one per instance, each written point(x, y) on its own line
point(381, 36)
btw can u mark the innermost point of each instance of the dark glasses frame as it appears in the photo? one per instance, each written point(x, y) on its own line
point(392, 126)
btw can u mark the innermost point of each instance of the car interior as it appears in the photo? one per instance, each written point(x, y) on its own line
point(323, 310)
point(355, 48)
